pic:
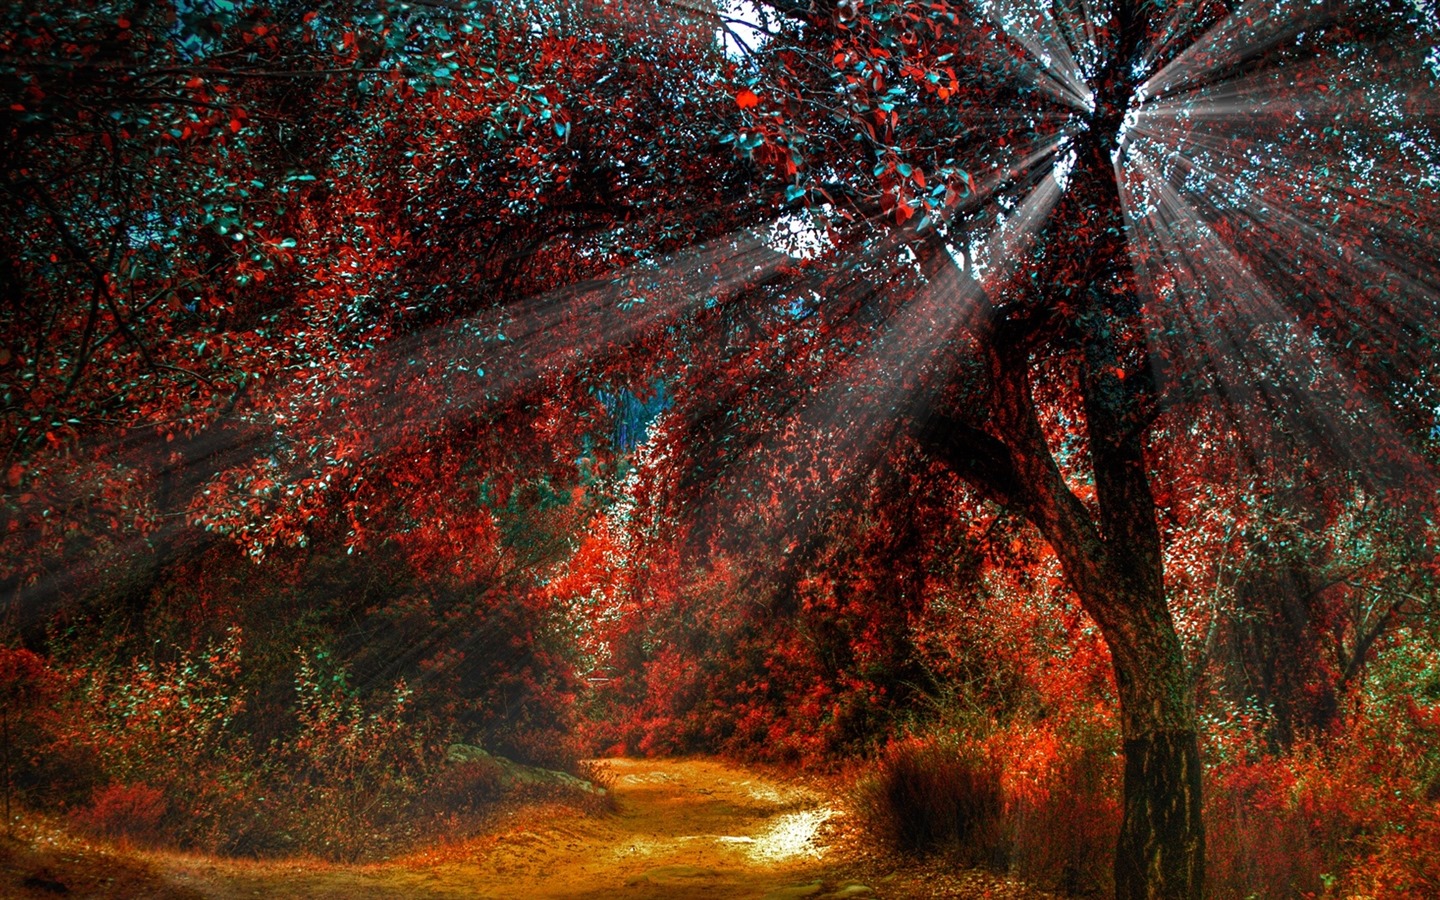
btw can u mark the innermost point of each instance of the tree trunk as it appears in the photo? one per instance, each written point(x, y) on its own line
point(1118, 567)
point(1115, 566)
point(1160, 852)
point(1112, 553)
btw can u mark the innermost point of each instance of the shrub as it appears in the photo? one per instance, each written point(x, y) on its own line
point(1062, 825)
point(356, 763)
point(171, 727)
point(1258, 843)
point(1329, 819)
point(928, 794)
point(40, 765)
point(132, 812)
point(1039, 798)
point(465, 787)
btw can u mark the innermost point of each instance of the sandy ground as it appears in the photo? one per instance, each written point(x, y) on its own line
point(682, 830)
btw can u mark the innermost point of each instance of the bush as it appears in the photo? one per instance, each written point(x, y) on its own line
point(1062, 825)
point(927, 794)
point(465, 787)
point(131, 812)
point(43, 767)
point(1034, 798)
point(356, 763)
point(1334, 819)
point(169, 727)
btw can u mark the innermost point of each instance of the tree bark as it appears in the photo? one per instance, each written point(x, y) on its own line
point(1117, 570)
point(1161, 852)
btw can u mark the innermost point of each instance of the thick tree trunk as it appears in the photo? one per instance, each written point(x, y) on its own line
point(1111, 553)
point(1161, 848)
point(1118, 568)
point(1115, 566)
point(1160, 853)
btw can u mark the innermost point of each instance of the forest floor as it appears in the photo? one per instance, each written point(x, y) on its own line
point(682, 829)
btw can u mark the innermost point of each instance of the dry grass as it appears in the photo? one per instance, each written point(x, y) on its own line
point(925, 796)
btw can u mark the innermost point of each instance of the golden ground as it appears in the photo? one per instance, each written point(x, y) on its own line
point(683, 829)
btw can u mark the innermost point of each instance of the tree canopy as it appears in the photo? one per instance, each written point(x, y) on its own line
point(373, 274)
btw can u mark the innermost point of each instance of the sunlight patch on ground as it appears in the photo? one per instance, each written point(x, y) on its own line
point(792, 835)
point(649, 778)
point(655, 846)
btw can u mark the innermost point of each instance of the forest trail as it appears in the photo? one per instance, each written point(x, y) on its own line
point(686, 828)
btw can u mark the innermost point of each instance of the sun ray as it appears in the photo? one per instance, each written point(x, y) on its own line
point(1051, 66)
point(1251, 29)
point(483, 362)
point(820, 442)
point(1329, 218)
point(1223, 316)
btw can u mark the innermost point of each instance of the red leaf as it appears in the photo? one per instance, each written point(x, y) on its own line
point(746, 99)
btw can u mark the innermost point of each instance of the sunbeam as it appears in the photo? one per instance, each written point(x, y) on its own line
point(821, 442)
point(1321, 249)
point(1052, 65)
point(1216, 312)
point(483, 363)
point(1032, 406)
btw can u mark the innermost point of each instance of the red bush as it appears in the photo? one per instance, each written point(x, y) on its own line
point(1063, 828)
point(133, 812)
point(1259, 842)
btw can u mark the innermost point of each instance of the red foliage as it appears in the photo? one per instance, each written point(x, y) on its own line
point(131, 812)
point(347, 290)
point(42, 763)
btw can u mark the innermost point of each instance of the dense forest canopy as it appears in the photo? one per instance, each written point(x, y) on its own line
point(740, 358)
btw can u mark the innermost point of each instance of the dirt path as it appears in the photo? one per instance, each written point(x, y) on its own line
point(683, 829)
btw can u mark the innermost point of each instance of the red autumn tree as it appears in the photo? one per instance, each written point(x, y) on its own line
point(261, 253)
point(1146, 210)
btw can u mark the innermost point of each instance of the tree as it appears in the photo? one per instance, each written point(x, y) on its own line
point(1147, 251)
point(259, 250)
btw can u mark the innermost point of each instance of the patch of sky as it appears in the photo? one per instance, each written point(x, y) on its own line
point(1065, 160)
point(957, 255)
point(741, 28)
point(799, 235)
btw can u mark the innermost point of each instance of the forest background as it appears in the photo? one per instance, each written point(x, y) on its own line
point(796, 382)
